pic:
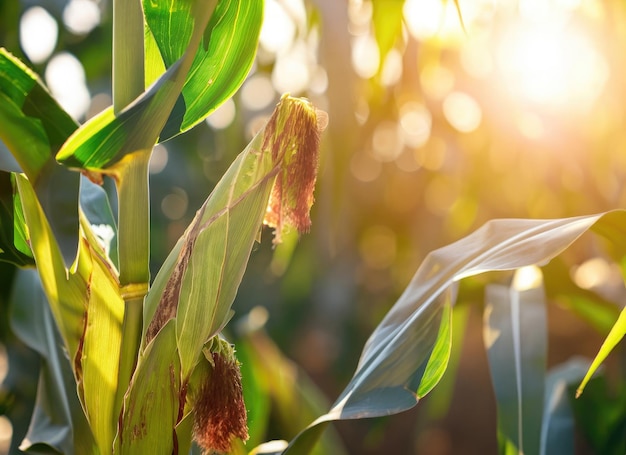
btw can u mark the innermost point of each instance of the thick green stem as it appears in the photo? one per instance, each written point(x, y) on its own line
point(128, 52)
point(134, 256)
point(134, 218)
point(132, 188)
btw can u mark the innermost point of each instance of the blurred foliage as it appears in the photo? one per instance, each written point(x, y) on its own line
point(404, 171)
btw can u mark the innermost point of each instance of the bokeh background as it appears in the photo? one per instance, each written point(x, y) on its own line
point(441, 118)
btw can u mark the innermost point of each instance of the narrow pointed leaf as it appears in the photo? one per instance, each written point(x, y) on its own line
point(28, 108)
point(515, 335)
point(613, 338)
point(383, 387)
point(33, 127)
point(222, 60)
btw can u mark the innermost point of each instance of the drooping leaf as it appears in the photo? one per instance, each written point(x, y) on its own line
point(33, 127)
point(409, 331)
point(58, 420)
point(515, 336)
point(438, 361)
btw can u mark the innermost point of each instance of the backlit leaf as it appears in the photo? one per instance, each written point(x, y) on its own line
point(407, 334)
point(222, 61)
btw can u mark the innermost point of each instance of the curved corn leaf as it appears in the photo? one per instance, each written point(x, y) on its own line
point(87, 308)
point(613, 338)
point(391, 365)
point(222, 61)
point(33, 127)
point(108, 137)
point(205, 59)
point(515, 335)
point(58, 420)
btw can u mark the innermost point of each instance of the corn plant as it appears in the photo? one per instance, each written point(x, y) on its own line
point(149, 366)
point(134, 366)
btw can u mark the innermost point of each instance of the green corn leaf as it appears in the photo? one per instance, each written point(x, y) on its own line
point(87, 308)
point(410, 330)
point(33, 127)
point(515, 335)
point(151, 407)
point(108, 137)
point(97, 363)
point(58, 420)
point(613, 338)
point(13, 245)
point(206, 60)
point(66, 296)
point(222, 61)
point(558, 424)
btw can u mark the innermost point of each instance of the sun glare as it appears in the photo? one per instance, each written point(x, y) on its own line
point(549, 67)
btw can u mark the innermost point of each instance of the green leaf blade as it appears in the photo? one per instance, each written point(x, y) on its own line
point(613, 338)
point(221, 64)
point(497, 246)
point(515, 333)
